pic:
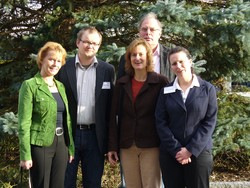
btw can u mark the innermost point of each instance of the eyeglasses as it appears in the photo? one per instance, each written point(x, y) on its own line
point(89, 43)
point(152, 30)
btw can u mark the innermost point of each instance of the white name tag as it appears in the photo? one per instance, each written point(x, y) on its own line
point(106, 85)
point(170, 89)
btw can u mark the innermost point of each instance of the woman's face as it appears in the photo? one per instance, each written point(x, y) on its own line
point(51, 63)
point(138, 58)
point(180, 64)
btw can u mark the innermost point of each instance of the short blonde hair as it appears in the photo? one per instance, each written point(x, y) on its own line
point(49, 46)
point(89, 29)
point(128, 66)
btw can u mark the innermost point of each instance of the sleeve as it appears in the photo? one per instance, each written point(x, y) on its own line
point(113, 138)
point(121, 67)
point(25, 108)
point(169, 143)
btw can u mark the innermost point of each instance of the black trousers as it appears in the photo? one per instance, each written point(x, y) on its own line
point(49, 164)
point(192, 175)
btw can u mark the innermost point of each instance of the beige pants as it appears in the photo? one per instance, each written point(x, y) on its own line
point(141, 167)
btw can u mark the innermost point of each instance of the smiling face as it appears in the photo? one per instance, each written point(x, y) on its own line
point(180, 64)
point(51, 63)
point(88, 44)
point(138, 58)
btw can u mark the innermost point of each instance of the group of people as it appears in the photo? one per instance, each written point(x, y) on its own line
point(156, 118)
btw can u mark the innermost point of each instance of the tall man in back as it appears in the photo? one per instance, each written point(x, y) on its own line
point(89, 84)
point(150, 28)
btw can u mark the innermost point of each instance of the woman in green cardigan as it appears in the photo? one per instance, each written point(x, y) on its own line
point(45, 133)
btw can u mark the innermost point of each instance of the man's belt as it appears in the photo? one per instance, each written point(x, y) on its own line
point(86, 126)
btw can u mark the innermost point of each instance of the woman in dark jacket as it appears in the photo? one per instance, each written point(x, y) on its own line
point(186, 114)
point(135, 135)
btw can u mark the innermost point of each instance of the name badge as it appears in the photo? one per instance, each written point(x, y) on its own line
point(170, 89)
point(106, 85)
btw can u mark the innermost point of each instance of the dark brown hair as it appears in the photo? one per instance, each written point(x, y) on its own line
point(180, 49)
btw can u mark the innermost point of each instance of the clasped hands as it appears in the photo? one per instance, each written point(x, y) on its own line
point(183, 156)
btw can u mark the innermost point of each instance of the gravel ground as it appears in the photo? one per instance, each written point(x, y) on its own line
point(244, 184)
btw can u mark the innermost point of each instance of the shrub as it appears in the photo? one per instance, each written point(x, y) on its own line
point(9, 167)
point(232, 133)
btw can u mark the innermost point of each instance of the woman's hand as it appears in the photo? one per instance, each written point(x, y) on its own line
point(26, 164)
point(183, 156)
point(71, 158)
point(113, 157)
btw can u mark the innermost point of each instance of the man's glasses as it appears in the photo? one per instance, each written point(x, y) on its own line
point(152, 30)
point(89, 43)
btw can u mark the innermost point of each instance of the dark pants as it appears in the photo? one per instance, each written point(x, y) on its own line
point(49, 164)
point(192, 175)
point(92, 161)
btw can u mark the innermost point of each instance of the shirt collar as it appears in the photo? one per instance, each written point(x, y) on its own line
point(157, 51)
point(77, 61)
point(195, 83)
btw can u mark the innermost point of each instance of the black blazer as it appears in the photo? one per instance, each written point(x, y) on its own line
point(190, 124)
point(165, 67)
point(104, 73)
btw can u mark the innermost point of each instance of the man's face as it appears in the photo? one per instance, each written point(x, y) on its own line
point(89, 44)
point(150, 31)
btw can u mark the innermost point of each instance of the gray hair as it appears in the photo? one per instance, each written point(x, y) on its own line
point(147, 16)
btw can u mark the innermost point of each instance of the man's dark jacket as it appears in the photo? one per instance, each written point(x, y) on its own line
point(103, 96)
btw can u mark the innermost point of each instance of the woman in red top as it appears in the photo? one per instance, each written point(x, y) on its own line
point(134, 135)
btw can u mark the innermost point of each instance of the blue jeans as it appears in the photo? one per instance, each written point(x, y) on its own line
point(92, 161)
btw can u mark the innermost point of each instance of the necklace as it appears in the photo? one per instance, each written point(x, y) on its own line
point(53, 85)
point(142, 79)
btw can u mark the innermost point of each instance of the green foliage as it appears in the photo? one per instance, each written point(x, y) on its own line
point(220, 35)
point(217, 35)
point(11, 79)
point(9, 123)
point(232, 133)
point(111, 54)
point(116, 23)
point(9, 175)
point(198, 66)
point(218, 32)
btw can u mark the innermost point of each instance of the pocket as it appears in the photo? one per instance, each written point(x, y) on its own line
point(41, 105)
